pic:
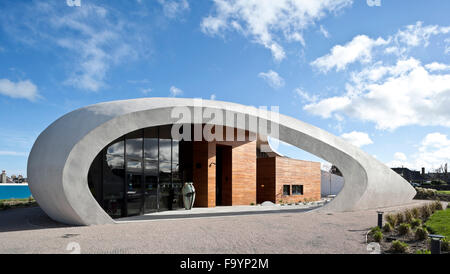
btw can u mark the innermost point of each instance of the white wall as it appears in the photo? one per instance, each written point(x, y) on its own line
point(331, 184)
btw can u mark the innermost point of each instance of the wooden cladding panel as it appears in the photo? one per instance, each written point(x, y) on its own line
point(297, 172)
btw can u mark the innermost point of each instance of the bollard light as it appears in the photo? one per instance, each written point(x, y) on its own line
point(435, 243)
point(380, 219)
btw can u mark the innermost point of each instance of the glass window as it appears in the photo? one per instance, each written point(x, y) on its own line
point(286, 190)
point(114, 179)
point(297, 190)
point(134, 153)
point(165, 150)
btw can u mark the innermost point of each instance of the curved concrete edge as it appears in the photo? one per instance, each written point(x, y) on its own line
point(61, 156)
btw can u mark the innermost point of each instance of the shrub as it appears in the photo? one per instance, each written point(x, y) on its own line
point(437, 205)
point(408, 215)
point(416, 213)
point(423, 251)
point(445, 244)
point(416, 222)
point(374, 229)
point(387, 227)
point(400, 218)
point(399, 247)
point(392, 219)
point(421, 233)
point(425, 211)
point(378, 236)
point(404, 229)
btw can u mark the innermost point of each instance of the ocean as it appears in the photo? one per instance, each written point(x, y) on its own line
point(19, 191)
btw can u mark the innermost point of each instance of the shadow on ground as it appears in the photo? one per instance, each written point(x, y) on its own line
point(30, 218)
point(150, 217)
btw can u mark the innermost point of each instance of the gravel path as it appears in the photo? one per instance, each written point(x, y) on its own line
point(29, 230)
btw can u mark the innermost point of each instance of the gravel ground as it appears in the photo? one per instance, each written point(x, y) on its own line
point(29, 230)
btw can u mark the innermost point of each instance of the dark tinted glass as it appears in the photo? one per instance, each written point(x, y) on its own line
point(297, 190)
point(114, 180)
point(286, 190)
point(134, 154)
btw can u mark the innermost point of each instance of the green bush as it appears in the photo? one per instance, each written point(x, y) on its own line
point(425, 211)
point(416, 212)
point(423, 251)
point(437, 205)
point(374, 229)
point(392, 219)
point(399, 247)
point(378, 236)
point(421, 233)
point(387, 227)
point(408, 215)
point(416, 222)
point(400, 218)
point(445, 244)
point(404, 229)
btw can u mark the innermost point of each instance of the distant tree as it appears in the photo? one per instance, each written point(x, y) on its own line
point(335, 170)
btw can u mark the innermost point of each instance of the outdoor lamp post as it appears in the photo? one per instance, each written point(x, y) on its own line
point(435, 243)
point(380, 219)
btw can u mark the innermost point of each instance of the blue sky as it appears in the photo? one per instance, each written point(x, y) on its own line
point(374, 72)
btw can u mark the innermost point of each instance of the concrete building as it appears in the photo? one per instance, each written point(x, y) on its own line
point(132, 157)
point(3, 177)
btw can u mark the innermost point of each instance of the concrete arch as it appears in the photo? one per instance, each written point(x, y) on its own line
point(61, 156)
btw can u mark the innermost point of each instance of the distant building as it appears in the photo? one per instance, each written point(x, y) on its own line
point(3, 177)
point(421, 176)
point(409, 175)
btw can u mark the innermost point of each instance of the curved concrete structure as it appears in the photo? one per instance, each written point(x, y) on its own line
point(61, 156)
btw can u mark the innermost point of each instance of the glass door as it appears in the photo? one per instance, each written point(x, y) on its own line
point(134, 173)
point(150, 170)
point(165, 190)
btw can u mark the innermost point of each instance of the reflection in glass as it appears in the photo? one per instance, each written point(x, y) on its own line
point(134, 154)
point(113, 180)
point(151, 191)
point(165, 150)
point(144, 165)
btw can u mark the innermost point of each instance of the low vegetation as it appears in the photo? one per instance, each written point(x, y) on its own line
point(439, 223)
point(407, 231)
point(432, 194)
point(399, 247)
point(14, 203)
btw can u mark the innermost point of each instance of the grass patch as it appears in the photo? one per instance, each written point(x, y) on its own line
point(445, 192)
point(12, 203)
point(439, 222)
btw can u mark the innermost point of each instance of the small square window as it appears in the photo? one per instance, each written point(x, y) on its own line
point(297, 190)
point(286, 190)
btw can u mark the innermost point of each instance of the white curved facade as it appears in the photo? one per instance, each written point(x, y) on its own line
point(61, 156)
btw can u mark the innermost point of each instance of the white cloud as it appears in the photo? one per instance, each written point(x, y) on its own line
point(12, 153)
point(174, 91)
point(173, 8)
point(146, 90)
point(359, 49)
point(324, 32)
point(95, 38)
point(266, 21)
point(305, 96)
point(272, 78)
point(392, 96)
point(433, 152)
point(213, 97)
point(416, 35)
point(435, 66)
point(400, 156)
point(357, 138)
point(21, 89)
point(374, 3)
